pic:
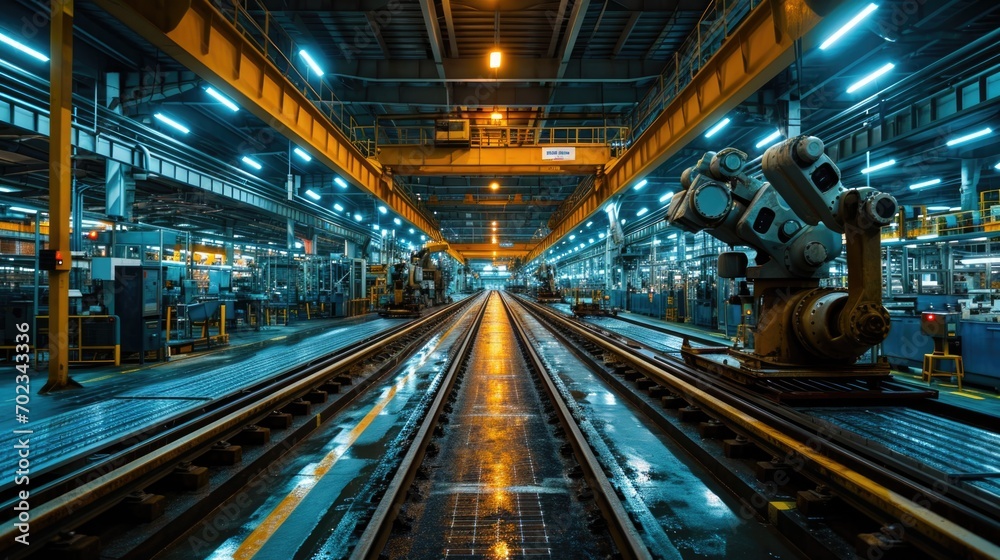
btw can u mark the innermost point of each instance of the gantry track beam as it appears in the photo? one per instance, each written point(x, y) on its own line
point(204, 41)
point(760, 48)
point(415, 159)
point(491, 250)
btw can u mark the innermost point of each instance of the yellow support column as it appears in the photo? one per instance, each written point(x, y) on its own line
point(222, 324)
point(60, 119)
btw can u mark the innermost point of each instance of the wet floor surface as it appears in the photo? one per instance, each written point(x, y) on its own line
point(499, 486)
point(683, 511)
point(112, 407)
point(950, 447)
point(309, 502)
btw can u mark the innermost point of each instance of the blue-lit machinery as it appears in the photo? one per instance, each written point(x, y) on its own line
point(944, 328)
point(415, 284)
point(599, 305)
point(548, 291)
point(795, 221)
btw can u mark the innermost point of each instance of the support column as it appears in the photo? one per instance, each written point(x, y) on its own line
point(227, 245)
point(793, 120)
point(60, 118)
point(968, 193)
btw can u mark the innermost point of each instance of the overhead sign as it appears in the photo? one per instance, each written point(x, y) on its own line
point(559, 154)
point(506, 244)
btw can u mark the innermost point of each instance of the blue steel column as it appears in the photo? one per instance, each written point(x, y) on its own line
point(60, 119)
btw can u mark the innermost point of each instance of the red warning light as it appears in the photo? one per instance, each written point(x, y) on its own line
point(92, 235)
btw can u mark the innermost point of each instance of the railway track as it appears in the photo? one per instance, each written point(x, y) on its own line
point(495, 479)
point(109, 482)
point(912, 503)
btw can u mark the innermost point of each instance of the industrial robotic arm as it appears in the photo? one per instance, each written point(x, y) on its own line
point(795, 221)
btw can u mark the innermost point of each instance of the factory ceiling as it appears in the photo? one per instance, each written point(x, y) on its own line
point(586, 66)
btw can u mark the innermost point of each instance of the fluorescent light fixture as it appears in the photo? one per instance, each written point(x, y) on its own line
point(591, 240)
point(397, 221)
point(252, 163)
point(890, 239)
point(600, 235)
point(672, 236)
point(338, 207)
point(375, 227)
point(590, 223)
point(495, 59)
point(769, 140)
point(411, 231)
point(23, 210)
point(23, 48)
point(183, 225)
point(928, 236)
point(167, 120)
point(640, 184)
point(967, 137)
point(937, 208)
point(667, 196)
point(955, 209)
point(870, 77)
point(848, 26)
point(979, 239)
point(302, 154)
point(222, 99)
point(997, 166)
point(609, 208)
point(923, 184)
point(312, 194)
point(623, 221)
point(981, 260)
point(312, 63)
point(6, 190)
point(383, 210)
point(340, 182)
point(878, 166)
point(722, 124)
point(358, 217)
point(641, 212)
point(572, 237)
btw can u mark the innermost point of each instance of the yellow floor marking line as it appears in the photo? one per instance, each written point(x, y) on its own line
point(259, 537)
point(966, 395)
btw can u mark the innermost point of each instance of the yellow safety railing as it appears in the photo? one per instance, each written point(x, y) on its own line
point(357, 307)
point(91, 338)
point(496, 136)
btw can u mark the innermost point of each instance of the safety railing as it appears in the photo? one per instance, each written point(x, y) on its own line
point(255, 22)
point(92, 339)
point(496, 136)
point(944, 225)
point(713, 27)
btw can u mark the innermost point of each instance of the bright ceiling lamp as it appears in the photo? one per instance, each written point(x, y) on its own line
point(312, 63)
point(981, 260)
point(383, 210)
point(938, 208)
point(722, 124)
point(397, 221)
point(927, 183)
point(667, 196)
point(358, 217)
point(967, 137)
point(495, 58)
point(641, 212)
point(222, 99)
point(252, 163)
point(23, 48)
point(870, 77)
point(770, 139)
point(878, 166)
point(171, 122)
point(640, 184)
point(997, 166)
point(848, 26)
point(340, 182)
point(302, 154)
point(494, 185)
point(338, 207)
point(312, 194)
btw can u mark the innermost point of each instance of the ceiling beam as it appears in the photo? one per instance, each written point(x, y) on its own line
point(759, 49)
point(557, 27)
point(590, 95)
point(449, 23)
point(626, 31)
point(216, 50)
point(433, 34)
point(377, 32)
point(506, 6)
point(473, 70)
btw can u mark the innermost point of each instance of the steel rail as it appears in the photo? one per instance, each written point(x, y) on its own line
point(379, 529)
point(857, 480)
point(620, 525)
point(67, 504)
